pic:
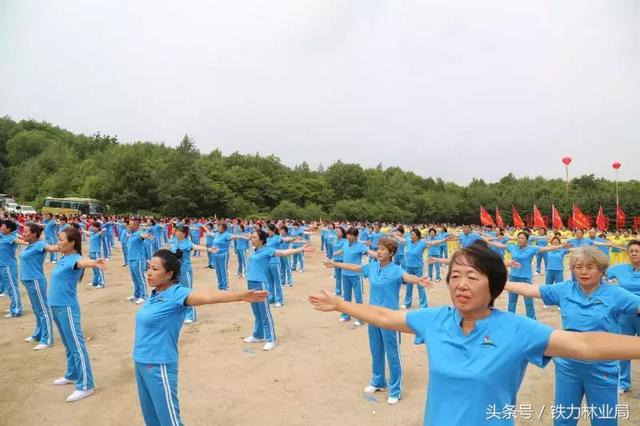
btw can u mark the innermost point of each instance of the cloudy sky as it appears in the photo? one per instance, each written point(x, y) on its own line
point(447, 89)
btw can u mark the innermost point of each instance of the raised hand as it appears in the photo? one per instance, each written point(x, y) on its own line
point(100, 263)
point(213, 250)
point(328, 263)
point(307, 248)
point(254, 296)
point(425, 282)
point(325, 301)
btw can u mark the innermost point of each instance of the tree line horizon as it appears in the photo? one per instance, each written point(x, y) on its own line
point(38, 159)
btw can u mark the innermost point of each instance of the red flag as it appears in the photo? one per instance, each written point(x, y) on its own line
point(601, 221)
point(538, 220)
point(580, 220)
point(517, 220)
point(621, 218)
point(485, 217)
point(556, 220)
point(499, 220)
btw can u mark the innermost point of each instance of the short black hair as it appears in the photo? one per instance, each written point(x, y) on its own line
point(171, 262)
point(353, 231)
point(11, 225)
point(481, 258)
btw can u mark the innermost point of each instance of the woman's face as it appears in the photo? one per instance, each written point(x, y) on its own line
point(29, 236)
point(382, 254)
point(587, 273)
point(156, 274)
point(64, 244)
point(414, 237)
point(255, 240)
point(351, 238)
point(180, 235)
point(432, 233)
point(634, 253)
point(555, 242)
point(468, 288)
point(522, 240)
point(4, 230)
point(221, 229)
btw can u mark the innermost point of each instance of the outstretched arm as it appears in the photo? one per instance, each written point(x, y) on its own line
point(348, 266)
point(381, 317)
point(592, 346)
point(209, 297)
point(526, 290)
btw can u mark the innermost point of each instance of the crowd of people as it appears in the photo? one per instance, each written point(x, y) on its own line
point(591, 277)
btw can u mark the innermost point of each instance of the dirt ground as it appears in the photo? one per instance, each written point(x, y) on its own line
point(314, 376)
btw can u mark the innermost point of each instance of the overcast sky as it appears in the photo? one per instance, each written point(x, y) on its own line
point(451, 89)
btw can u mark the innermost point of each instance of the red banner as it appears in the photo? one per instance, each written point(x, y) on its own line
point(601, 221)
point(499, 220)
point(556, 219)
point(580, 220)
point(538, 220)
point(621, 218)
point(485, 217)
point(517, 220)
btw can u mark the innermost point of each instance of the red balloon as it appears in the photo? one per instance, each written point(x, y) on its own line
point(616, 165)
point(566, 160)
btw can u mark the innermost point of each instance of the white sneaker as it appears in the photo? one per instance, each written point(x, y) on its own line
point(78, 395)
point(139, 301)
point(100, 286)
point(545, 307)
point(278, 305)
point(343, 319)
point(3, 295)
point(29, 339)
point(63, 381)
point(188, 321)
point(373, 389)
point(357, 323)
point(269, 346)
point(392, 401)
point(252, 339)
point(9, 316)
point(622, 391)
point(404, 307)
point(54, 261)
point(89, 284)
point(130, 298)
point(40, 346)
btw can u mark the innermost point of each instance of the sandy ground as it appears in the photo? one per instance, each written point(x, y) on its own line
point(314, 376)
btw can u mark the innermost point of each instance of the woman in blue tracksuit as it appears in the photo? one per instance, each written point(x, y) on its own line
point(478, 354)
point(415, 246)
point(51, 234)
point(352, 281)
point(257, 270)
point(183, 246)
point(286, 277)
point(434, 251)
point(63, 300)
point(298, 258)
point(339, 244)
point(221, 242)
point(444, 248)
point(628, 277)
point(242, 245)
point(209, 234)
point(9, 266)
point(588, 304)
point(96, 238)
point(195, 229)
point(374, 237)
point(137, 260)
point(330, 238)
point(386, 278)
point(399, 258)
point(122, 237)
point(158, 325)
point(523, 254)
point(34, 280)
point(273, 273)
